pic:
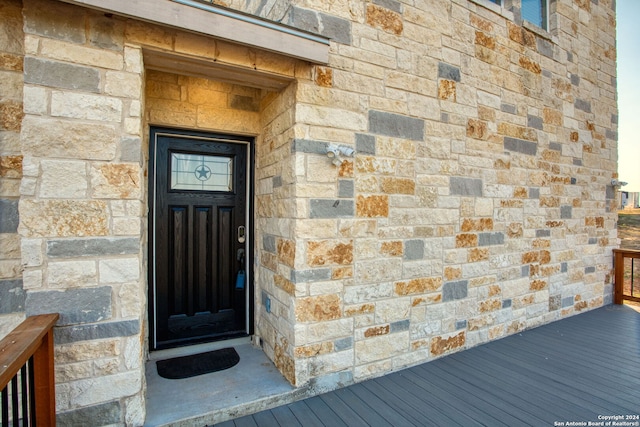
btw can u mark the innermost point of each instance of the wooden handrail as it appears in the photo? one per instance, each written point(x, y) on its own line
point(33, 337)
point(618, 280)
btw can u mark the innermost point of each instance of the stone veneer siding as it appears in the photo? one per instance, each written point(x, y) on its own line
point(478, 202)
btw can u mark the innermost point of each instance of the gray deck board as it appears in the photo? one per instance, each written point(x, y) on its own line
point(571, 370)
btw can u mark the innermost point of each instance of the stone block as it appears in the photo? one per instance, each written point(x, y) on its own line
point(43, 137)
point(520, 146)
point(324, 208)
point(86, 106)
point(119, 270)
point(465, 186)
point(318, 308)
point(448, 72)
point(63, 218)
point(534, 122)
point(365, 144)
point(488, 239)
point(346, 188)
point(60, 75)
point(381, 347)
point(96, 331)
point(396, 125)
point(313, 275)
point(337, 29)
point(384, 19)
point(583, 105)
point(454, 290)
point(9, 215)
point(304, 19)
point(413, 250)
point(12, 296)
point(441, 345)
point(72, 274)
point(123, 84)
point(63, 179)
point(92, 391)
point(372, 206)
point(109, 413)
point(74, 305)
point(116, 180)
point(327, 252)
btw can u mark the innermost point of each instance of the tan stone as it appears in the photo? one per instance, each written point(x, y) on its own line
point(11, 116)
point(418, 286)
point(530, 65)
point(116, 180)
point(384, 19)
point(284, 284)
point(376, 331)
point(341, 273)
point(372, 206)
point(63, 218)
point(441, 345)
point(447, 90)
point(286, 252)
point(398, 185)
point(327, 252)
point(313, 350)
point(283, 361)
point(490, 305)
point(466, 240)
point(10, 62)
point(477, 129)
point(537, 285)
point(68, 139)
point(485, 40)
point(480, 23)
point(324, 76)
point(318, 308)
point(391, 248)
point(359, 310)
point(478, 254)
point(11, 166)
point(482, 224)
point(381, 347)
point(451, 273)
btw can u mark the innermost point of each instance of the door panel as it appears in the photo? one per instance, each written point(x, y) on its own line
point(199, 192)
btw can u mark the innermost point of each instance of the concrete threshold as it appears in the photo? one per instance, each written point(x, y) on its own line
point(253, 385)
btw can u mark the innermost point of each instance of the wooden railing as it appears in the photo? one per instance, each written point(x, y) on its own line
point(626, 264)
point(26, 361)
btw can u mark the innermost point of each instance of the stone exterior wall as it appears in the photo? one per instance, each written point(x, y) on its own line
point(478, 202)
point(12, 295)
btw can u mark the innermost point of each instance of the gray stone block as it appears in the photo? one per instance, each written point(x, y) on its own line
point(448, 72)
point(413, 250)
point(543, 233)
point(69, 248)
point(343, 344)
point(454, 290)
point(304, 19)
point(130, 150)
point(277, 181)
point(9, 217)
point(575, 79)
point(490, 239)
point(534, 193)
point(569, 56)
point(399, 326)
point(396, 125)
point(611, 134)
point(301, 276)
point(337, 29)
point(60, 75)
point(534, 122)
point(508, 108)
point(566, 212)
point(394, 5)
point(365, 144)
point(309, 146)
point(567, 302)
point(324, 208)
point(461, 324)
point(589, 270)
point(564, 267)
point(506, 303)
point(85, 305)
point(58, 22)
point(545, 47)
point(520, 146)
point(573, 181)
point(614, 119)
point(109, 413)
point(465, 186)
point(577, 162)
point(524, 271)
point(556, 146)
point(269, 243)
point(593, 240)
point(96, 331)
point(346, 188)
point(244, 103)
point(583, 105)
point(12, 296)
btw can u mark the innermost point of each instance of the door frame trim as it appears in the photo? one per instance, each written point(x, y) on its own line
point(249, 142)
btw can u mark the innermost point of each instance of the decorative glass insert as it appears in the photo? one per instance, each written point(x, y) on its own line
point(200, 172)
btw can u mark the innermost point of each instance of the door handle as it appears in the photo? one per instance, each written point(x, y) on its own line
point(241, 234)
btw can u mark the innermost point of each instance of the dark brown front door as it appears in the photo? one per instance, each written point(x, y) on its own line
point(199, 213)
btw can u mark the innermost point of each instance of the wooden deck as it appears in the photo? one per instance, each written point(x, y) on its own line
point(578, 370)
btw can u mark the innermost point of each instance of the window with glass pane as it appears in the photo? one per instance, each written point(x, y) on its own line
point(498, 2)
point(535, 11)
point(199, 172)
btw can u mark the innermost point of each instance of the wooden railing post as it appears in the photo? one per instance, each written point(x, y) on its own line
point(618, 265)
point(44, 374)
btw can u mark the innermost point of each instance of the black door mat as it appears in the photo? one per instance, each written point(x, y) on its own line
point(197, 364)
